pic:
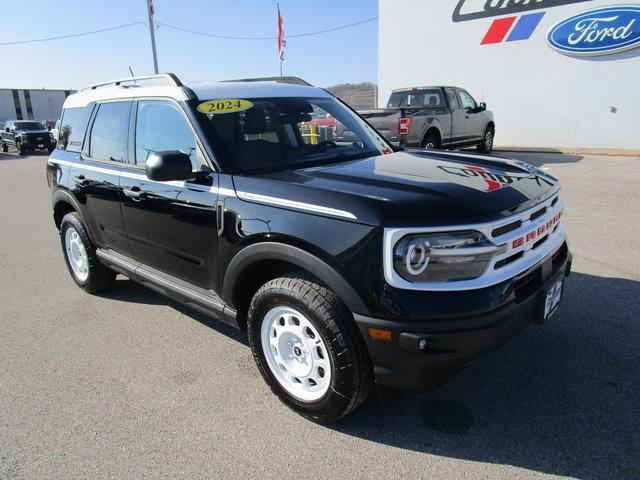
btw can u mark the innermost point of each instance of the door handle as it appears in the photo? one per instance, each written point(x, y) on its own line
point(466, 116)
point(134, 193)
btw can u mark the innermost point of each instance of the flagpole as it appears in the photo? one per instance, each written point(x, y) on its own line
point(153, 35)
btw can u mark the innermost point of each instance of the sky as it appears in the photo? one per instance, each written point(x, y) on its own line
point(348, 55)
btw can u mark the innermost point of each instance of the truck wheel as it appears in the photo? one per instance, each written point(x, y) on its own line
point(20, 148)
point(80, 256)
point(430, 142)
point(487, 143)
point(5, 147)
point(308, 348)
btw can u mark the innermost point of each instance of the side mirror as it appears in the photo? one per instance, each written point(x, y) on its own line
point(482, 107)
point(170, 165)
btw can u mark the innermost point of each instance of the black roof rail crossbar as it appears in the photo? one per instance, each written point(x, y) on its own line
point(171, 78)
point(292, 80)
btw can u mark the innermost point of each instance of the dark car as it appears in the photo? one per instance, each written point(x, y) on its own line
point(434, 118)
point(25, 136)
point(348, 265)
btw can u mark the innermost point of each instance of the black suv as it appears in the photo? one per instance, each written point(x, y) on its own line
point(26, 135)
point(348, 264)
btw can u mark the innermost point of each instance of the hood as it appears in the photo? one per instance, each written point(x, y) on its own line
point(413, 188)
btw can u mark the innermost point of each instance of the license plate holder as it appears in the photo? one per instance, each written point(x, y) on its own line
point(552, 299)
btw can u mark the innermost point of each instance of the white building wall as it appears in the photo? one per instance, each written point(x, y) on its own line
point(540, 97)
point(45, 104)
point(7, 109)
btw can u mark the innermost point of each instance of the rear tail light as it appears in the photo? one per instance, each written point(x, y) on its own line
point(403, 126)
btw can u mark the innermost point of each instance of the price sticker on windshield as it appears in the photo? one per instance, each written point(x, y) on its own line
point(229, 105)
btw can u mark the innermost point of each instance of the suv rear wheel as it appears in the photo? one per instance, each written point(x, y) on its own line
point(308, 348)
point(80, 256)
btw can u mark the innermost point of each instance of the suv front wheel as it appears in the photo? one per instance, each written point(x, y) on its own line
point(80, 256)
point(308, 349)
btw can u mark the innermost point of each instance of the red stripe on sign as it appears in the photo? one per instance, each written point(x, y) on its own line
point(498, 30)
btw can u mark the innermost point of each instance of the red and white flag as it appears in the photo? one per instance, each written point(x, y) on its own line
point(281, 40)
point(150, 7)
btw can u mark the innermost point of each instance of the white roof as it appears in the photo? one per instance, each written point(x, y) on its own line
point(203, 91)
point(215, 90)
point(84, 97)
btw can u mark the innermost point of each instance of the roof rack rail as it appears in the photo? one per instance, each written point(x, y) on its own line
point(292, 80)
point(166, 78)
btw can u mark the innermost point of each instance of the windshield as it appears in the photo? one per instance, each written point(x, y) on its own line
point(425, 98)
point(266, 134)
point(28, 126)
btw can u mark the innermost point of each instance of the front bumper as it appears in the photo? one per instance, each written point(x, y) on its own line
point(451, 344)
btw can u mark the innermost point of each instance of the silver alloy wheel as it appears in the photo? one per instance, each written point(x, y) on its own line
point(488, 139)
point(76, 254)
point(295, 353)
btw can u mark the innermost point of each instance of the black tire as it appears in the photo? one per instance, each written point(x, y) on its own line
point(100, 277)
point(487, 143)
point(430, 142)
point(5, 148)
point(352, 372)
point(20, 148)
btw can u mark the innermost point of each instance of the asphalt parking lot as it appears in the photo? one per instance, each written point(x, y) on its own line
point(130, 384)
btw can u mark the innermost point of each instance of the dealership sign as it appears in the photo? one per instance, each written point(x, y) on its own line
point(473, 9)
point(598, 32)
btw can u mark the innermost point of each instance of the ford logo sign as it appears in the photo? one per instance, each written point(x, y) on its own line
point(598, 32)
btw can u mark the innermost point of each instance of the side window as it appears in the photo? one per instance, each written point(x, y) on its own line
point(108, 139)
point(467, 100)
point(453, 99)
point(161, 126)
point(72, 127)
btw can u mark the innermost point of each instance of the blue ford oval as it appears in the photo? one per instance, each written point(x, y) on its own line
point(598, 32)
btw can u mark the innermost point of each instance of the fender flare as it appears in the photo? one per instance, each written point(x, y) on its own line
point(61, 195)
point(433, 125)
point(296, 256)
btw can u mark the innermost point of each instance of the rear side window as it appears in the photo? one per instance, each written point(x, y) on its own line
point(73, 126)
point(426, 98)
point(109, 134)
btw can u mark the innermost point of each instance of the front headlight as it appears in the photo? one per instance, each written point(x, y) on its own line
point(443, 257)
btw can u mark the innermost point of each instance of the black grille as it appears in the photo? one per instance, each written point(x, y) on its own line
point(528, 284)
point(560, 256)
point(506, 228)
point(538, 214)
point(33, 137)
point(508, 260)
point(540, 242)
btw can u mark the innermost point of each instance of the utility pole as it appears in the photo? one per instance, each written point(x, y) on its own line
point(152, 31)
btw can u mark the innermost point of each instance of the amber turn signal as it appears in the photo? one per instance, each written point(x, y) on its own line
point(380, 334)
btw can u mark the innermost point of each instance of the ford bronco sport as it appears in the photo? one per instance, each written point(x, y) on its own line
point(347, 263)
